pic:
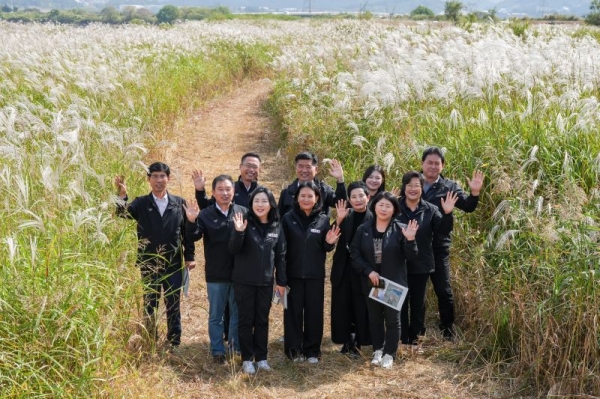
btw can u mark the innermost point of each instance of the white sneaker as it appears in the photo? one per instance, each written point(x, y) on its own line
point(377, 355)
point(299, 359)
point(248, 367)
point(263, 365)
point(313, 360)
point(387, 362)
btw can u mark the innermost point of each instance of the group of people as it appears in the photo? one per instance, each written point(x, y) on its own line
point(257, 249)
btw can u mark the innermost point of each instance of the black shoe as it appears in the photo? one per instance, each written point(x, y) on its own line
point(448, 333)
point(220, 359)
point(345, 348)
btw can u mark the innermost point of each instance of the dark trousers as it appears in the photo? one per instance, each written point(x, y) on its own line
point(303, 319)
point(254, 304)
point(384, 323)
point(349, 311)
point(412, 315)
point(170, 281)
point(440, 279)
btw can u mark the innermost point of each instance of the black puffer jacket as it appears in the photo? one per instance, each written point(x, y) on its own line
point(215, 228)
point(259, 254)
point(432, 227)
point(328, 197)
point(160, 238)
point(396, 252)
point(437, 191)
point(306, 244)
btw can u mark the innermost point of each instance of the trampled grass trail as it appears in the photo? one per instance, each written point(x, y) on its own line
point(213, 139)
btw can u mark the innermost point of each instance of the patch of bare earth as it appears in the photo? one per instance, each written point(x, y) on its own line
point(213, 139)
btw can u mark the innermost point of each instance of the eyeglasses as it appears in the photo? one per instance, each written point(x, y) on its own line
point(250, 166)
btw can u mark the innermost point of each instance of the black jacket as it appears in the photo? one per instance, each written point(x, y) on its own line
point(341, 256)
point(306, 244)
point(328, 197)
point(432, 226)
point(259, 254)
point(216, 228)
point(438, 190)
point(396, 251)
point(241, 196)
point(160, 238)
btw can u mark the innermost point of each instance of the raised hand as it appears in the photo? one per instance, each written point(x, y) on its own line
point(239, 223)
point(336, 170)
point(191, 210)
point(120, 184)
point(333, 235)
point(395, 192)
point(410, 231)
point(341, 211)
point(199, 180)
point(476, 183)
point(450, 202)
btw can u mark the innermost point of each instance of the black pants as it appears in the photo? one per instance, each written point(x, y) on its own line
point(440, 279)
point(349, 311)
point(384, 323)
point(254, 304)
point(303, 319)
point(412, 315)
point(170, 281)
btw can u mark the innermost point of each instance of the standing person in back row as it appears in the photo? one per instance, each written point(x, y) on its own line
point(161, 236)
point(435, 188)
point(243, 187)
point(306, 171)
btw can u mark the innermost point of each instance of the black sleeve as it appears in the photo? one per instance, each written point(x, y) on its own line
point(280, 265)
point(127, 211)
point(202, 199)
point(189, 249)
point(360, 264)
point(236, 241)
point(466, 203)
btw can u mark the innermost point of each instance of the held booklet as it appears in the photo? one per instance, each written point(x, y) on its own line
point(389, 293)
point(278, 299)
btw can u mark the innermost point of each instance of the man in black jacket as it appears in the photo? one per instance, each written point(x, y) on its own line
point(214, 224)
point(161, 236)
point(243, 187)
point(306, 170)
point(435, 188)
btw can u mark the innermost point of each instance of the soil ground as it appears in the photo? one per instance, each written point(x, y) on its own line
point(213, 139)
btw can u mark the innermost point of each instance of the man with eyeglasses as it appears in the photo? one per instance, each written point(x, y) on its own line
point(306, 170)
point(160, 221)
point(244, 186)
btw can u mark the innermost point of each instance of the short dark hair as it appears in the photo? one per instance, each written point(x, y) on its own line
point(313, 187)
point(250, 154)
point(369, 172)
point(433, 151)
point(387, 196)
point(357, 185)
point(159, 167)
point(308, 156)
point(273, 215)
point(407, 177)
point(221, 178)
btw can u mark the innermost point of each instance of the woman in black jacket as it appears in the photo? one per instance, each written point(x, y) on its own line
point(309, 238)
point(431, 224)
point(349, 317)
point(258, 245)
point(381, 248)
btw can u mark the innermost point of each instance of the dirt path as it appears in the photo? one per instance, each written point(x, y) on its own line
point(213, 139)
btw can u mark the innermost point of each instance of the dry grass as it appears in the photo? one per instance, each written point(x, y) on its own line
point(213, 139)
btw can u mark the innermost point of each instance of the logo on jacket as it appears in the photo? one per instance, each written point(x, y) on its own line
point(315, 231)
point(272, 235)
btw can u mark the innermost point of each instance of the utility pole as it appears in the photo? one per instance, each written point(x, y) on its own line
point(308, 4)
